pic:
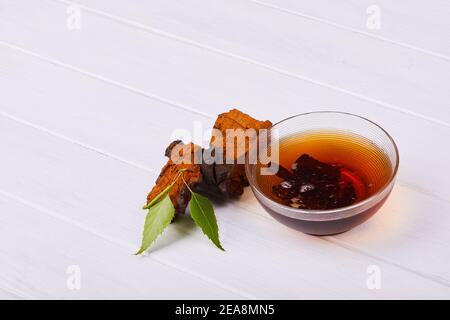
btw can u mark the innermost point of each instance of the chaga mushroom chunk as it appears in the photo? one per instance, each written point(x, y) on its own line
point(308, 168)
point(220, 179)
point(179, 193)
point(231, 178)
point(314, 185)
point(234, 120)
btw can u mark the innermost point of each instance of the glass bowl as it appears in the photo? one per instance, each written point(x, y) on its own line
point(334, 221)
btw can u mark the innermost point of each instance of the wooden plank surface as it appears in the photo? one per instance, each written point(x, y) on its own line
point(375, 71)
point(85, 115)
point(95, 185)
point(79, 124)
point(50, 245)
point(417, 25)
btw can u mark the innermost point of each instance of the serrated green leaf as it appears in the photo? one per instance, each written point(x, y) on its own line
point(202, 212)
point(158, 218)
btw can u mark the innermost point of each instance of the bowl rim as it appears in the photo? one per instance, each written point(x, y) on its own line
point(334, 214)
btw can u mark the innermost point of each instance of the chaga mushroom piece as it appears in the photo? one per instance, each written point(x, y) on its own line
point(314, 185)
point(234, 120)
point(225, 179)
point(308, 168)
point(231, 178)
point(179, 194)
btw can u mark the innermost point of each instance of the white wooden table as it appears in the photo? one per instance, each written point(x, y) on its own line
point(91, 90)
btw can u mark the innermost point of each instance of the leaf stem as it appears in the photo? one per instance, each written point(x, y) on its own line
point(182, 177)
point(166, 190)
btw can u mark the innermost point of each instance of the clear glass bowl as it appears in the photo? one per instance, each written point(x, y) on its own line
point(327, 222)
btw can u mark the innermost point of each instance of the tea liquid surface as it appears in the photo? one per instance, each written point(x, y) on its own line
point(362, 167)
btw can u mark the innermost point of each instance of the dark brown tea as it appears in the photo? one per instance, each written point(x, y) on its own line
point(326, 170)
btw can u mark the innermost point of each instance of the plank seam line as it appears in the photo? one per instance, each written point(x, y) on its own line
point(150, 170)
point(195, 111)
point(254, 62)
point(133, 90)
point(15, 293)
point(353, 249)
point(104, 79)
point(73, 141)
point(350, 29)
point(434, 278)
point(425, 192)
point(93, 149)
point(120, 243)
point(277, 8)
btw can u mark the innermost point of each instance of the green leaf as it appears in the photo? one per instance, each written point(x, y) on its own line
point(202, 212)
point(158, 218)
